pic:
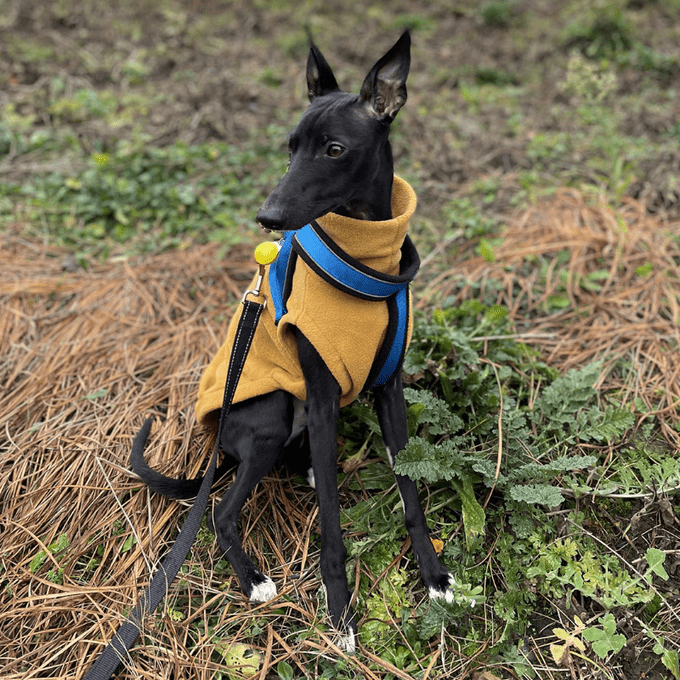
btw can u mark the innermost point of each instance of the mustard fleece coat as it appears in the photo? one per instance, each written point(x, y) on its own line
point(346, 331)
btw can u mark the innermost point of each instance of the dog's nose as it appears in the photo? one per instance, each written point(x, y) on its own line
point(271, 218)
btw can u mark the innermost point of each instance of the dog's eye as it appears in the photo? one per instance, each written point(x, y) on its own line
point(335, 150)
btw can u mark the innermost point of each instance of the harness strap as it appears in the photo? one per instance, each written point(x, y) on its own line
point(118, 649)
point(392, 351)
point(326, 259)
point(348, 274)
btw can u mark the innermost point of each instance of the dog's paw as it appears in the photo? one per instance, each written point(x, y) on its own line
point(348, 642)
point(263, 591)
point(443, 589)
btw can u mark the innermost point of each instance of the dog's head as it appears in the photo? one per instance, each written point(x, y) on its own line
point(340, 157)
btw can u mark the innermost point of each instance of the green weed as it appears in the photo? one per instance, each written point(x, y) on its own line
point(462, 213)
point(494, 76)
point(669, 657)
point(604, 640)
point(499, 13)
point(588, 81)
point(153, 198)
point(58, 549)
point(606, 33)
point(455, 396)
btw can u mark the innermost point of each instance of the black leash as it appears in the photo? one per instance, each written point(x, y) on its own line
point(118, 649)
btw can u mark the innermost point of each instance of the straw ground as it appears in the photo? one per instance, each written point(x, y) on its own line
point(88, 355)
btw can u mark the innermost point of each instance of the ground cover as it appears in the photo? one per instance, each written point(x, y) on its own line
point(136, 142)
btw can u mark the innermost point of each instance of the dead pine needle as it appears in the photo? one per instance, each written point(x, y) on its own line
point(88, 355)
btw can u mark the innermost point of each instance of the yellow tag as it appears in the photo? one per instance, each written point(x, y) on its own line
point(266, 252)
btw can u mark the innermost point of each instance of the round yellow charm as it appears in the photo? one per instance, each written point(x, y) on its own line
point(266, 252)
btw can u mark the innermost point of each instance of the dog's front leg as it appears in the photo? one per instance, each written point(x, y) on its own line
point(391, 409)
point(323, 395)
point(253, 435)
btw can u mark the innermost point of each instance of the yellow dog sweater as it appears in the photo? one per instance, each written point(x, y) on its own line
point(348, 329)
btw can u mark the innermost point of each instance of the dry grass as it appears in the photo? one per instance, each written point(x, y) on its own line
point(88, 355)
point(619, 272)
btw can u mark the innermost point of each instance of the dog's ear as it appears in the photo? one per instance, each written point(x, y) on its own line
point(320, 78)
point(384, 90)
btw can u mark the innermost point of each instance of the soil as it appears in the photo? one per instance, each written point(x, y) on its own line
point(212, 71)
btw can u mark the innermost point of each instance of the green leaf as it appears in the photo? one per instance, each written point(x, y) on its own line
point(537, 494)
point(592, 280)
point(447, 387)
point(57, 546)
point(605, 640)
point(413, 416)
point(485, 250)
point(669, 658)
point(431, 411)
point(128, 543)
point(655, 559)
point(174, 614)
point(97, 394)
point(558, 302)
point(570, 639)
point(645, 270)
point(436, 615)
point(284, 670)
point(241, 661)
point(60, 544)
point(121, 216)
point(474, 517)
point(56, 575)
point(562, 634)
point(604, 427)
point(551, 468)
point(37, 561)
point(421, 460)
point(496, 313)
point(568, 393)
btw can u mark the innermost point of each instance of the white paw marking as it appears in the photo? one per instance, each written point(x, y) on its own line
point(310, 478)
point(436, 594)
point(348, 642)
point(263, 592)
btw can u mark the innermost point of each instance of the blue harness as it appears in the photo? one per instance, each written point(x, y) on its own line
point(347, 274)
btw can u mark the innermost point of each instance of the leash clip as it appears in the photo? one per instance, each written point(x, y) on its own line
point(265, 254)
point(255, 291)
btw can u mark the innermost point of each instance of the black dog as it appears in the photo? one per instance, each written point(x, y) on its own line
point(340, 162)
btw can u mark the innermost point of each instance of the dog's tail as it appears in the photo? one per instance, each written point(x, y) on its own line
point(168, 486)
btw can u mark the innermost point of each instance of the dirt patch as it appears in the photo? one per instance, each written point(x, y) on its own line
point(479, 91)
